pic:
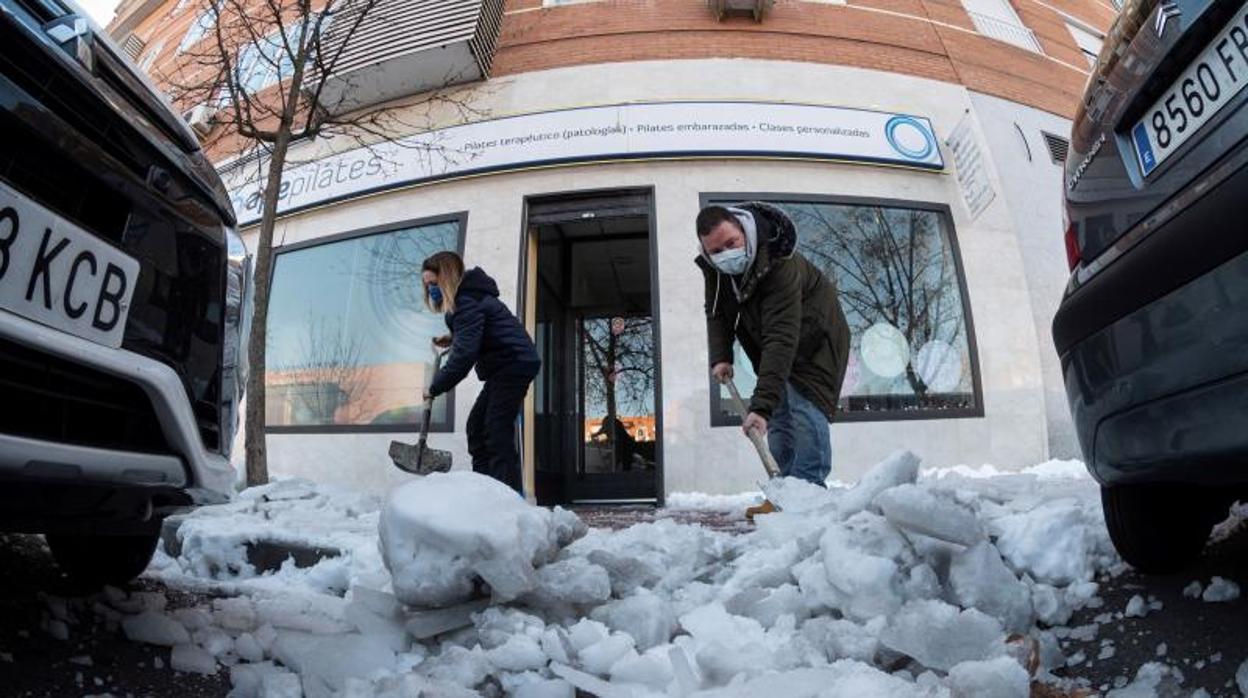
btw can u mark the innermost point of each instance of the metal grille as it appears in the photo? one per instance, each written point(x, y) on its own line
point(133, 46)
point(1057, 146)
point(56, 400)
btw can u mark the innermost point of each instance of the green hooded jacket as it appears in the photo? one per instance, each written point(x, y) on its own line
point(785, 313)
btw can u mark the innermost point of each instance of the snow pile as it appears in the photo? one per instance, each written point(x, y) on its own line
point(897, 586)
point(441, 532)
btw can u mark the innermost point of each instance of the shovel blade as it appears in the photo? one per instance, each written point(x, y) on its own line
point(419, 459)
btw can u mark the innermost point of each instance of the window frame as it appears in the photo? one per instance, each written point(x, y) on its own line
point(717, 418)
point(212, 15)
point(435, 426)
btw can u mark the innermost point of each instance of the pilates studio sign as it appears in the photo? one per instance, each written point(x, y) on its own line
point(617, 132)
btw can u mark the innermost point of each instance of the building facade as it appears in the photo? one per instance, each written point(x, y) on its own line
point(917, 144)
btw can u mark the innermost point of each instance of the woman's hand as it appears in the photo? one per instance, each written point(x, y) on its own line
point(442, 342)
point(722, 372)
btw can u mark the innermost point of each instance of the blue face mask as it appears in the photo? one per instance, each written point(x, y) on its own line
point(435, 294)
point(731, 261)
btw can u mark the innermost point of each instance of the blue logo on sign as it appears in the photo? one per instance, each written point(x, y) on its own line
point(905, 126)
point(1148, 161)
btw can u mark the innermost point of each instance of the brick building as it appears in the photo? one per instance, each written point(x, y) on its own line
point(916, 143)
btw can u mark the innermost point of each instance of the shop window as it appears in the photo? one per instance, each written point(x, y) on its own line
point(199, 28)
point(900, 283)
point(349, 334)
point(266, 61)
point(150, 57)
point(1089, 43)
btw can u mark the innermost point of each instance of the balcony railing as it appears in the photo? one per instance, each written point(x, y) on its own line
point(1008, 32)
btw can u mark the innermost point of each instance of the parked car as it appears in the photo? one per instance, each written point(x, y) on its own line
point(1152, 330)
point(123, 296)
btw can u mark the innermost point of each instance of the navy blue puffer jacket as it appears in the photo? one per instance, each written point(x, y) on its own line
point(486, 334)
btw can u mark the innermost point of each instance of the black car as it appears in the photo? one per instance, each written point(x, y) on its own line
point(1153, 328)
point(123, 297)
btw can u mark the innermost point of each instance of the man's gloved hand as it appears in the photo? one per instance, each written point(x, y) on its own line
point(754, 422)
point(722, 371)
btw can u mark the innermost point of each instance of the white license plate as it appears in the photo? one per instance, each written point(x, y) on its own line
point(1207, 84)
point(58, 274)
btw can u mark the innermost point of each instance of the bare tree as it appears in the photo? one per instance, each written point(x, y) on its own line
point(891, 265)
point(329, 376)
point(266, 67)
point(619, 366)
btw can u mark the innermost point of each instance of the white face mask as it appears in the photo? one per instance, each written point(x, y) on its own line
point(731, 261)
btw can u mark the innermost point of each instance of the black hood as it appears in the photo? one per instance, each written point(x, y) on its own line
point(775, 228)
point(477, 283)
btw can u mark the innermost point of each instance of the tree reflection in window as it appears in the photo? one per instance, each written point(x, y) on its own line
point(349, 335)
point(898, 283)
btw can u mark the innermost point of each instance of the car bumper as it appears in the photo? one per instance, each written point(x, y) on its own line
point(207, 477)
point(1160, 394)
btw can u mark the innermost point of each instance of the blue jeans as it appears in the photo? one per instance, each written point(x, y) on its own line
point(799, 438)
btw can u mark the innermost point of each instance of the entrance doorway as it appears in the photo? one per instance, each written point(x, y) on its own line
point(590, 304)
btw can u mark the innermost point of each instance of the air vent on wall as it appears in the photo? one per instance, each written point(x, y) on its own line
point(133, 46)
point(1057, 147)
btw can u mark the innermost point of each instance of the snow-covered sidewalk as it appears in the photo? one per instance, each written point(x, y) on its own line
point(957, 583)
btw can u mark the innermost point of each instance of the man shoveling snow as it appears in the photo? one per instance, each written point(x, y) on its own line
point(785, 312)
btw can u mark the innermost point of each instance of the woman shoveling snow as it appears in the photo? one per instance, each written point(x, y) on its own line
point(484, 334)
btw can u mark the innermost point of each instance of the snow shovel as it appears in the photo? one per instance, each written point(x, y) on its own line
point(418, 458)
point(764, 453)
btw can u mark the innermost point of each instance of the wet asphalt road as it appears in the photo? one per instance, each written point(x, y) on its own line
point(95, 659)
point(1206, 641)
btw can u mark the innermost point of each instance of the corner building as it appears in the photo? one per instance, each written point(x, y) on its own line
point(917, 144)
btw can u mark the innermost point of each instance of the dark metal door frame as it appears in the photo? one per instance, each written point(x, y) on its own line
point(570, 206)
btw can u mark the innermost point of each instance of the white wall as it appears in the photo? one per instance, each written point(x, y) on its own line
point(1013, 432)
point(1033, 189)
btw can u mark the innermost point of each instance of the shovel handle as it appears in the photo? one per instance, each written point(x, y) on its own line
point(428, 417)
point(764, 453)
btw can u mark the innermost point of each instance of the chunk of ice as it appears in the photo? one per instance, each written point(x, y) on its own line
point(248, 649)
point(326, 662)
point(440, 532)
point(913, 508)
point(1000, 678)
point(599, 657)
point(1050, 542)
point(1221, 590)
point(571, 581)
point(155, 629)
point(644, 616)
point(979, 579)
point(939, 637)
point(425, 624)
point(868, 584)
point(545, 688)
point(1152, 680)
point(898, 469)
point(192, 660)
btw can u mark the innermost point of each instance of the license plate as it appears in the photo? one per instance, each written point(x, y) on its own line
point(1208, 83)
point(57, 274)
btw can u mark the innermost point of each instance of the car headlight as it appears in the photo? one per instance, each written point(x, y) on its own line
point(238, 311)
